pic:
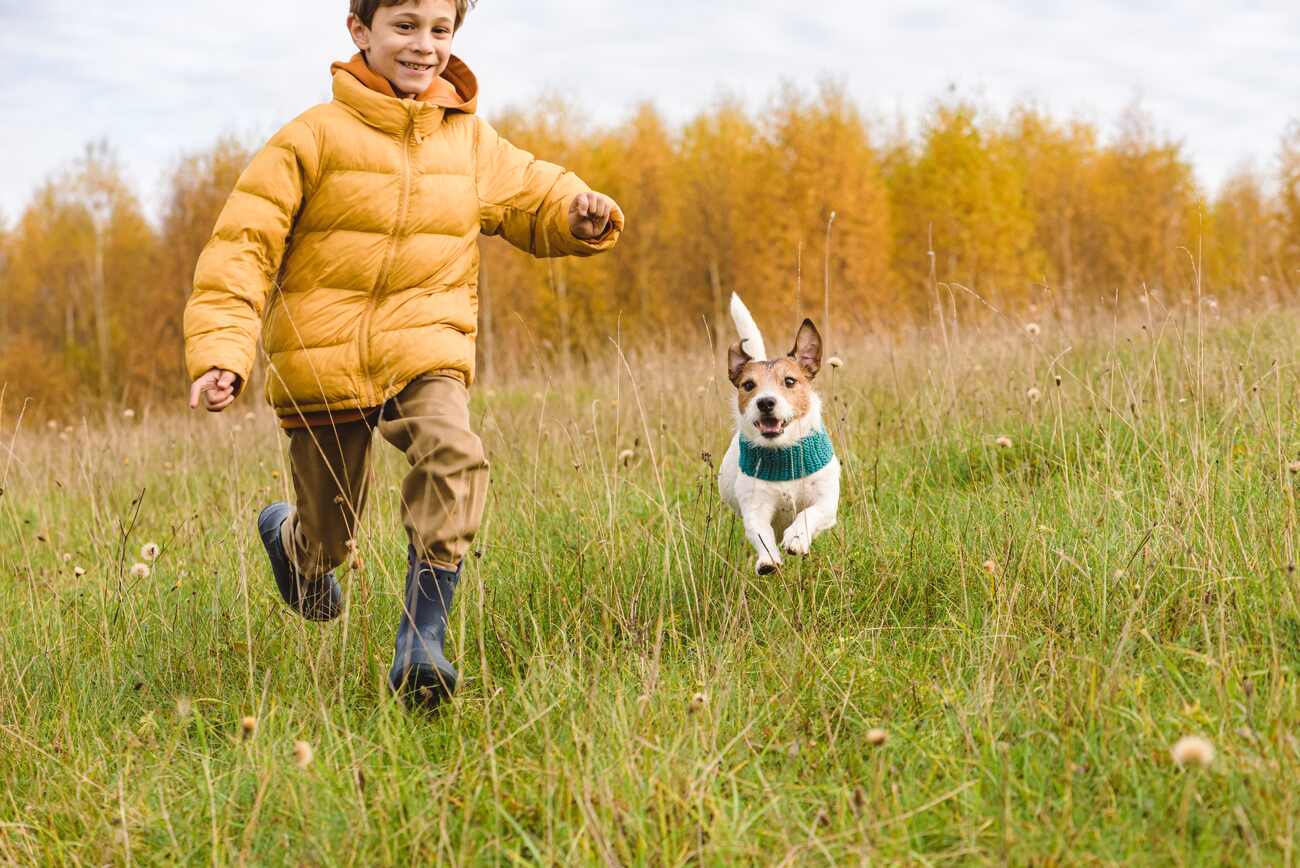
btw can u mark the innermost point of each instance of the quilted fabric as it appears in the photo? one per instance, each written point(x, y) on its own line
point(350, 245)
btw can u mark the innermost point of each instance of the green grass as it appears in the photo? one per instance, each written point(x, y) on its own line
point(632, 693)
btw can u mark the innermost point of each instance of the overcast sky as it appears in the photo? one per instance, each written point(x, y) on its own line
point(160, 77)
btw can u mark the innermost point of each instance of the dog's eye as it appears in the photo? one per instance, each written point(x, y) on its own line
point(791, 382)
point(749, 386)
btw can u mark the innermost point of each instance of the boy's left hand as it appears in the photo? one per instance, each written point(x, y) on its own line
point(589, 215)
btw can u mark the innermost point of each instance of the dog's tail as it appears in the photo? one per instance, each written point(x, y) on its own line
point(751, 338)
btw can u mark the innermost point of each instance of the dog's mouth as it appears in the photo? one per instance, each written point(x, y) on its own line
point(770, 427)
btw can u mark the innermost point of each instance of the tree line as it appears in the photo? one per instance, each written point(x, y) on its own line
point(803, 205)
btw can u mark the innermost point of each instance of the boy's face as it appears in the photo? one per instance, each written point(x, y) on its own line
point(408, 44)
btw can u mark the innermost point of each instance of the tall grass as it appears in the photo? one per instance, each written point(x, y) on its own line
point(1032, 625)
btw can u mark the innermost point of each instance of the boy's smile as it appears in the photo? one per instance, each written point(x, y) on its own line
point(409, 44)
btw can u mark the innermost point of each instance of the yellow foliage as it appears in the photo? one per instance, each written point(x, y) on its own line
point(735, 199)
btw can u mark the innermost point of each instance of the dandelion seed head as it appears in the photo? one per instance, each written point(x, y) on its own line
point(991, 567)
point(67, 558)
point(699, 700)
point(835, 362)
point(1032, 329)
point(625, 457)
point(876, 736)
point(150, 551)
point(128, 413)
point(1033, 394)
point(1193, 750)
point(1003, 442)
point(302, 754)
point(250, 416)
point(248, 726)
point(52, 425)
point(140, 571)
point(1293, 467)
point(78, 571)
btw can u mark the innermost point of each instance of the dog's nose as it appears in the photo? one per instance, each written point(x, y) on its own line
point(766, 405)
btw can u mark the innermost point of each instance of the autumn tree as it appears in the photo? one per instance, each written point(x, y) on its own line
point(1057, 161)
point(1146, 215)
point(1238, 250)
point(80, 287)
point(1289, 205)
point(825, 164)
point(960, 192)
point(195, 190)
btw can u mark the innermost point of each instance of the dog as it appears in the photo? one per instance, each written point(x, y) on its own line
point(780, 473)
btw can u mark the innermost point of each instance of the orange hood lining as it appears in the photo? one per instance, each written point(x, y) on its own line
point(456, 88)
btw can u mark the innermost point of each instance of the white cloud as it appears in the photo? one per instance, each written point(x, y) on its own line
point(157, 79)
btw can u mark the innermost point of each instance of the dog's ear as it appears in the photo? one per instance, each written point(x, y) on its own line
point(737, 358)
point(807, 350)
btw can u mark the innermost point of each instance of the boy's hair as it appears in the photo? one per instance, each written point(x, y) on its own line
point(365, 9)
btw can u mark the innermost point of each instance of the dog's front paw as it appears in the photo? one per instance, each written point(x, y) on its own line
point(796, 541)
point(767, 566)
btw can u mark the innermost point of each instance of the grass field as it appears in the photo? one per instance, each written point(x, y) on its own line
point(1033, 626)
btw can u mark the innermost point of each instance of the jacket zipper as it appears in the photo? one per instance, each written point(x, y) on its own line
point(393, 241)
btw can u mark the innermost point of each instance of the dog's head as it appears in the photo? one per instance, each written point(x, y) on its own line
point(776, 406)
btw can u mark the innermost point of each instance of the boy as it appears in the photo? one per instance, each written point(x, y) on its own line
point(358, 222)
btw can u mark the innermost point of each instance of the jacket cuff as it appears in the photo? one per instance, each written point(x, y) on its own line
point(574, 246)
point(201, 360)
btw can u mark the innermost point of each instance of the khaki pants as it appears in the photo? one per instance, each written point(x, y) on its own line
point(442, 496)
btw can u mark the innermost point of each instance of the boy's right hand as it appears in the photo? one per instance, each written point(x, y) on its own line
point(217, 388)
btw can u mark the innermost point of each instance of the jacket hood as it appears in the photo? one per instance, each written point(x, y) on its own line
point(455, 90)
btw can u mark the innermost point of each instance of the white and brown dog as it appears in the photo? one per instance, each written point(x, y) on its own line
point(780, 474)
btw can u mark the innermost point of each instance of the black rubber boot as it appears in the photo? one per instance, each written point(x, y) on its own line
point(420, 670)
point(315, 599)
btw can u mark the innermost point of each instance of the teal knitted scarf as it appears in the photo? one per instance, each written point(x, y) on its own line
point(804, 458)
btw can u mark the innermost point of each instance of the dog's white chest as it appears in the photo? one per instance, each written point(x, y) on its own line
point(782, 501)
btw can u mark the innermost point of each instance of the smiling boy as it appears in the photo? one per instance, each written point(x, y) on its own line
point(350, 245)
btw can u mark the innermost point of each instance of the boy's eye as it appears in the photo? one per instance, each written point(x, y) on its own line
point(749, 386)
point(791, 382)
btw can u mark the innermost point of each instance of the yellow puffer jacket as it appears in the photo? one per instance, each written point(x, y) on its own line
point(358, 222)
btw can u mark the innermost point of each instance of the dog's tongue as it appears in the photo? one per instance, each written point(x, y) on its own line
point(769, 426)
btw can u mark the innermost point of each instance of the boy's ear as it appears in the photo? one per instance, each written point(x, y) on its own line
point(360, 33)
point(807, 350)
point(737, 358)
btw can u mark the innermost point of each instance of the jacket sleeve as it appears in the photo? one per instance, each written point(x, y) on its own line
point(526, 200)
point(238, 266)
